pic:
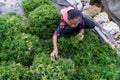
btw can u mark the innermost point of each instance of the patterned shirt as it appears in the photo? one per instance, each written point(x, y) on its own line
point(63, 22)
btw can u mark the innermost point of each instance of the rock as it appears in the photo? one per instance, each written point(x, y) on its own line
point(85, 3)
point(11, 6)
point(101, 18)
point(111, 27)
point(92, 11)
point(2, 2)
point(76, 3)
point(117, 36)
point(96, 2)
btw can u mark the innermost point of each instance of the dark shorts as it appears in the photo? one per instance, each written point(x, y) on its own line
point(89, 24)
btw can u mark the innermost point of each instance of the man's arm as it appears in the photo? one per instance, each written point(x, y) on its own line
point(54, 38)
point(55, 48)
point(82, 31)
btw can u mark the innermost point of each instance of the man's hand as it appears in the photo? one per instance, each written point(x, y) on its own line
point(81, 33)
point(81, 36)
point(54, 53)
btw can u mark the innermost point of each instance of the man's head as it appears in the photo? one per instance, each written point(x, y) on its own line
point(74, 17)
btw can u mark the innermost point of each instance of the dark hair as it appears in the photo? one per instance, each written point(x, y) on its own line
point(73, 13)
